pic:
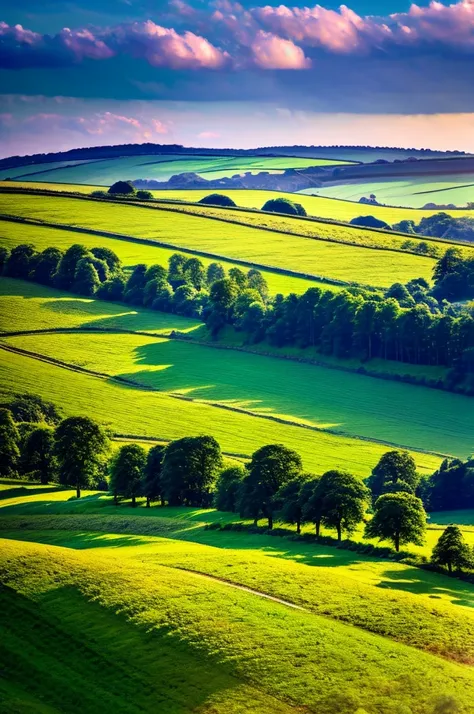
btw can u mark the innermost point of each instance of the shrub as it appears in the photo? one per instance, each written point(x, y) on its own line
point(284, 205)
point(369, 222)
point(218, 199)
point(123, 188)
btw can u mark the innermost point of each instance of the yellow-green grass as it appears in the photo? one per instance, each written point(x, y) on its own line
point(28, 306)
point(331, 260)
point(131, 253)
point(133, 411)
point(414, 192)
point(343, 209)
point(346, 403)
point(279, 658)
point(160, 168)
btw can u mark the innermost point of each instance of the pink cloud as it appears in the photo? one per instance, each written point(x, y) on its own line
point(273, 52)
point(84, 44)
point(208, 135)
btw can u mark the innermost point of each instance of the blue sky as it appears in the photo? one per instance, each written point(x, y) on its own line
point(235, 74)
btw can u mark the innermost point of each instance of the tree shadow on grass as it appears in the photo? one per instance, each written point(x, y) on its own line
point(435, 585)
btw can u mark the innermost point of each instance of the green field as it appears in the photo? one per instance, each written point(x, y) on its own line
point(160, 168)
point(351, 404)
point(131, 253)
point(149, 611)
point(133, 411)
point(415, 192)
point(339, 261)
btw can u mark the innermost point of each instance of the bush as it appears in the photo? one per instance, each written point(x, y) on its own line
point(144, 195)
point(284, 205)
point(369, 222)
point(122, 188)
point(218, 199)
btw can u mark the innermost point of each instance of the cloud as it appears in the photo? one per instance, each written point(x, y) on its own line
point(208, 135)
point(273, 52)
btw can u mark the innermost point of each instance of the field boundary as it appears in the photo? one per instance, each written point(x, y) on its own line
point(218, 405)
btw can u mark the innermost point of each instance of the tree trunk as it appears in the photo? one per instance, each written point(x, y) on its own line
point(397, 542)
point(255, 521)
point(450, 567)
point(270, 521)
point(148, 502)
point(298, 526)
point(78, 491)
point(134, 502)
point(115, 500)
point(318, 528)
point(339, 532)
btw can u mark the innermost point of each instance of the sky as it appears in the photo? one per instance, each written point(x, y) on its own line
point(235, 74)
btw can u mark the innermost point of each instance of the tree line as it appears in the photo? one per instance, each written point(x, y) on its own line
point(407, 323)
point(35, 442)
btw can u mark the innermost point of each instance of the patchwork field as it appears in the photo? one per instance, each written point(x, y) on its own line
point(352, 404)
point(318, 258)
point(159, 167)
point(457, 189)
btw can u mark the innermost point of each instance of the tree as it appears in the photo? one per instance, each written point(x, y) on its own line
point(215, 271)
point(126, 472)
point(81, 447)
point(190, 468)
point(113, 261)
point(32, 408)
point(38, 454)
point(66, 272)
point(344, 500)
point(270, 468)
point(176, 268)
point(46, 266)
point(86, 278)
point(447, 264)
point(21, 261)
point(223, 293)
point(152, 487)
point(369, 222)
point(394, 466)
point(311, 503)
point(4, 253)
point(288, 501)
point(9, 440)
point(256, 281)
point(284, 205)
point(239, 278)
point(134, 289)
point(218, 199)
point(144, 195)
point(452, 551)
point(228, 488)
point(195, 273)
point(112, 289)
point(122, 188)
point(398, 517)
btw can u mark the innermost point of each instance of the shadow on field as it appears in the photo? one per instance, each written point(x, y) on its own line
point(23, 491)
point(421, 582)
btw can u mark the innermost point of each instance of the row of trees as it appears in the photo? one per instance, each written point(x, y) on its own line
point(190, 472)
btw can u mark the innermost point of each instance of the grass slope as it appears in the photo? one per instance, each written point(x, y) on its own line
point(296, 658)
point(331, 260)
point(131, 411)
point(351, 404)
point(131, 253)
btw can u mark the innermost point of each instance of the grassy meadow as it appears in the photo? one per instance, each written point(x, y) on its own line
point(350, 404)
point(131, 253)
point(380, 268)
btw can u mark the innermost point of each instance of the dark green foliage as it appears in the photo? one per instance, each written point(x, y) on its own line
point(122, 188)
point(405, 226)
point(177, 265)
point(135, 287)
point(454, 276)
point(215, 271)
point(398, 517)
point(393, 468)
point(195, 273)
point(21, 261)
point(257, 282)
point(126, 472)
point(112, 289)
point(86, 278)
point(37, 454)
point(9, 440)
point(451, 487)
point(144, 195)
point(223, 293)
point(81, 448)
point(343, 501)
point(113, 261)
point(32, 408)
point(46, 266)
point(270, 468)
point(288, 501)
point(452, 551)
point(4, 254)
point(311, 503)
point(218, 199)
point(239, 278)
point(151, 485)
point(190, 469)
point(228, 489)
point(66, 272)
point(284, 205)
point(369, 222)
